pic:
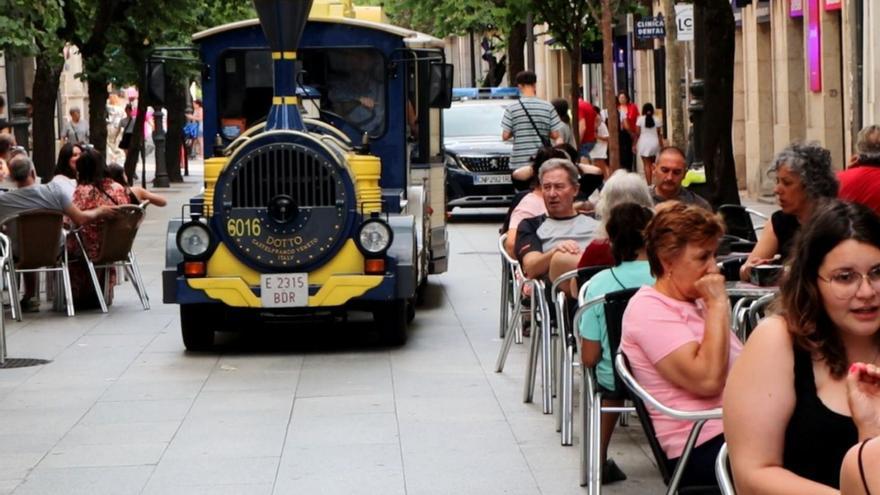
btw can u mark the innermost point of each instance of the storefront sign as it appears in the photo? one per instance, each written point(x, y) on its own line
point(814, 46)
point(648, 28)
point(684, 21)
point(796, 8)
point(833, 4)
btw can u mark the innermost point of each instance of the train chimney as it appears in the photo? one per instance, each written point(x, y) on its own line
point(283, 23)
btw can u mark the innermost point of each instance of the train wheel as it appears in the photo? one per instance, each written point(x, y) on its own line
point(392, 322)
point(197, 326)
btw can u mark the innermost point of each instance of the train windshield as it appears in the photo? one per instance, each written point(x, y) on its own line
point(351, 83)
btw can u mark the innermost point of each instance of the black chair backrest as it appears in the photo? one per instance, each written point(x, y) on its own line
point(587, 272)
point(738, 222)
point(648, 426)
point(615, 304)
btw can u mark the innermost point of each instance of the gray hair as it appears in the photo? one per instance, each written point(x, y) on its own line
point(20, 168)
point(73, 109)
point(812, 163)
point(559, 163)
point(868, 144)
point(621, 187)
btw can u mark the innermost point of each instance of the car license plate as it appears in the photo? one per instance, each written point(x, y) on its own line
point(284, 290)
point(492, 179)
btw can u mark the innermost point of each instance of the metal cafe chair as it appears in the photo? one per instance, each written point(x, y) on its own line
point(738, 220)
point(614, 304)
point(539, 313)
point(116, 239)
point(564, 348)
point(539, 347)
point(34, 232)
point(511, 293)
point(722, 472)
point(6, 266)
point(642, 399)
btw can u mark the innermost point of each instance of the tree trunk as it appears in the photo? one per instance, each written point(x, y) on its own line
point(608, 86)
point(516, 58)
point(718, 117)
point(45, 95)
point(98, 95)
point(175, 105)
point(674, 88)
point(574, 57)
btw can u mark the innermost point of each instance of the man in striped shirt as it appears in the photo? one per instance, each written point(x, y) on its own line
point(517, 125)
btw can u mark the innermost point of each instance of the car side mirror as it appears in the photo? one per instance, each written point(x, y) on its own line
point(440, 85)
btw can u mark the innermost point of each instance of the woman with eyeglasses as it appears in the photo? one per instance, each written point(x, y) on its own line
point(807, 386)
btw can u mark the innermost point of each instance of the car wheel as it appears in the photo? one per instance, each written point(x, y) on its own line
point(197, 325)
point(392, 321)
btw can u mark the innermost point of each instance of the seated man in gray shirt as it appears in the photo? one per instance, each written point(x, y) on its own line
point(668, 174)
point(551, 244)
point(33, 196)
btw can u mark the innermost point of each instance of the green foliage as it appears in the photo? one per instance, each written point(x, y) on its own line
point(30, 27)
point(453, 17)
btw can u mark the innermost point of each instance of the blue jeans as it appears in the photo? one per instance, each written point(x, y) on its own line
point(586, 148)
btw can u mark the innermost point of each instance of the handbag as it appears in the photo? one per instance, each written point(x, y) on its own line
point(544, 139)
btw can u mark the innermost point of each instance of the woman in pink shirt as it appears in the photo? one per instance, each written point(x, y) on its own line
point(677, 335)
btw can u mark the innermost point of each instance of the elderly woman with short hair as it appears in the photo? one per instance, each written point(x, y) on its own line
point(804, 177)
point(677, 335)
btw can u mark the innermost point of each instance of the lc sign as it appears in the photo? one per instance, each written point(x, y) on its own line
point(684, 21)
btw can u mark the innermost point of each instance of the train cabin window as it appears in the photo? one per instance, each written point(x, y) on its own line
point(355, 87)
point(351, 81)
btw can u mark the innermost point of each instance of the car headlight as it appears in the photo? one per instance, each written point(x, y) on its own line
point(194, 239)
point(374, 237)
point(453, 162)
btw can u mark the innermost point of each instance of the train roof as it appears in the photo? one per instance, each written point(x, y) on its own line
point(412, 39)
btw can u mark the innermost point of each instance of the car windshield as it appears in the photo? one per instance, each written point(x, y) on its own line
point(473, 120)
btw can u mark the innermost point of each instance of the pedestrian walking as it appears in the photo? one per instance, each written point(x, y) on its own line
point(76, 131)
point(531, 122)
point(561, 107)
point(599, 152)
point(628, 113)
point(586, 126)
point(650, 139)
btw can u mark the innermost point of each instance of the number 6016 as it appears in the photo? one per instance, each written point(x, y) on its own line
point(238, 227)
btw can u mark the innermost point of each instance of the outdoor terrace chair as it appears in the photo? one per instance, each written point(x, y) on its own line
point(540, 344)
point(739, 223)
point(5, 265)
point(116, 239)
point(722, 472)
point(614, 304)
point(642, 399)
point(565, 348)
point(38, 234)
point(511, 292)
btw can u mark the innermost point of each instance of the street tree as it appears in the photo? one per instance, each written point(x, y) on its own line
point(33, 29)
point(718, 50)
point(443, 18)
point(572, 23)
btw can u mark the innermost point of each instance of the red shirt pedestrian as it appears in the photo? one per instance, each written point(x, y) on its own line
point(587, 118)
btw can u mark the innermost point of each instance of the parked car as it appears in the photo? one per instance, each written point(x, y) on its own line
point(477, 160)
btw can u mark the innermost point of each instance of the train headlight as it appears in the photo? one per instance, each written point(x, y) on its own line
point(374, 237)
point(194, 239)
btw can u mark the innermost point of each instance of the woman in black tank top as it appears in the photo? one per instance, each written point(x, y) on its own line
point(798, 398)
point(804, 178)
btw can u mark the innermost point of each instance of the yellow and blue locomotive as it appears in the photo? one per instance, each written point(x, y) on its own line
point(324, 191)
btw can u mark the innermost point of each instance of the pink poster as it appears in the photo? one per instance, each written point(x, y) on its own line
point(796, 8)
point(814, 46)
point(833, 4)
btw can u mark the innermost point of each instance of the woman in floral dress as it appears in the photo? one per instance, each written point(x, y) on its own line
point(95, 188)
